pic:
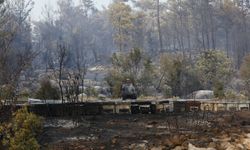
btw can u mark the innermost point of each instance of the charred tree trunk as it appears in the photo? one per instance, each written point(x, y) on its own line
point(159, 25)
point(62, 57)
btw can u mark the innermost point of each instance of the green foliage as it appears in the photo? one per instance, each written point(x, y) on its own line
point(90, 91)
point(7, 92)
point(121, 17)
point(167, 92)
point(245, 68)
point(233, 95)
point(24, 93)
point(219, 90)
point(115, 80)
point(245, 74)
point(177, 74)
point(22, 131)
point(47, 91)
point(134, 66)
point(213, 66)
point(147, 78)
point(174, 78)
point(128, 63)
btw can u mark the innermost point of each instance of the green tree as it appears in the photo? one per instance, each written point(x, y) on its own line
point(22, 131)
point(245, 74)
point(245, 68)
point(147, 78)
point(219, 90)
point(177, 78)
point(47, 91)
point(134, 66)
point(7, 92)
point(129, 64)
point(214, 69)
point(121, 18)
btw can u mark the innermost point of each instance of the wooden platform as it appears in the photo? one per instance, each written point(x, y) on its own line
point(134, 107)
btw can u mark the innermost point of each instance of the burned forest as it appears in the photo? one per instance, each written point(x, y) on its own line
point(124, 74)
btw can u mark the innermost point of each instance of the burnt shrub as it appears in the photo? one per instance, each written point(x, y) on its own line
point(47, 91)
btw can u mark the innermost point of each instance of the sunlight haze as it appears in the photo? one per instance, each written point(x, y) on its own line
point(39, 5)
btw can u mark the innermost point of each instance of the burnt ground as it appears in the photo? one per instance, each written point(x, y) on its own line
point(158, 131)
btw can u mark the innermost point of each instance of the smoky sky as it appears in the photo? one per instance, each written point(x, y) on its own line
point(39, 5)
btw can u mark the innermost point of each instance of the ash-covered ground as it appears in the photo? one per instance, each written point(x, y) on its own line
point(228, 130)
